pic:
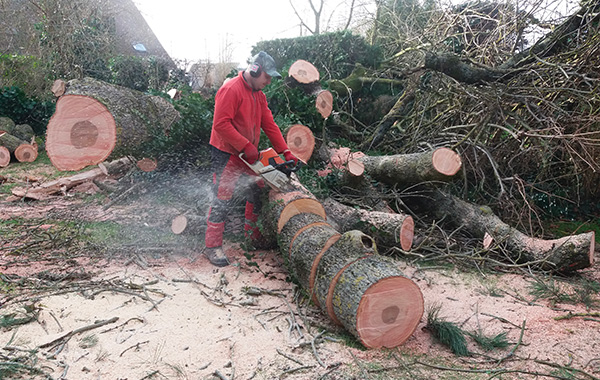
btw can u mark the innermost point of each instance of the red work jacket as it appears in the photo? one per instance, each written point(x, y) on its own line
point(240, 113)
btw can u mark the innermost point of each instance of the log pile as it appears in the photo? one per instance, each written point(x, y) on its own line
point(95, 120)
point(18, 141)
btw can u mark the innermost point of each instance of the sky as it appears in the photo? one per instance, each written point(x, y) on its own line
point(201, 29)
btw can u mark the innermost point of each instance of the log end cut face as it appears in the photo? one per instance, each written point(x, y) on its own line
point(4, 157)
point(389, 312)
point(446, 161)
point(301, 141)
point(81, 132)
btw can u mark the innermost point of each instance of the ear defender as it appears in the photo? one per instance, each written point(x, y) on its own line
point(255, 70)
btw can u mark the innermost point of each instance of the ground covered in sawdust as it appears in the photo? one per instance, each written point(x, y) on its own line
point(150, 306)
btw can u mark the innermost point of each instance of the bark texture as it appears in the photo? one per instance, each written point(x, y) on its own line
point(562, 255)
point(320, 258)
point(95, 120)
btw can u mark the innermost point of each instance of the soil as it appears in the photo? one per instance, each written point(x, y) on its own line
point(150, 306)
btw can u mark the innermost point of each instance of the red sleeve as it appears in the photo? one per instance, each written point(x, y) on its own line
point(271, 129)
point(226, 104)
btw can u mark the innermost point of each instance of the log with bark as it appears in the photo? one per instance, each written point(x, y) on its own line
point(342, 272)
point(305, 75)
point(95, 120)
point(62, 185)
point(441, 164)
point(10, 141)
point(563, 255)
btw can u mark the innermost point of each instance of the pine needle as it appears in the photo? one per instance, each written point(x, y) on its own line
point(447, 333)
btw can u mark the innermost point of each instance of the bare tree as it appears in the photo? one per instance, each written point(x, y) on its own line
point(340, 15)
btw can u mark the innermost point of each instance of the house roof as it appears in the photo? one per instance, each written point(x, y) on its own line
point(134, 35)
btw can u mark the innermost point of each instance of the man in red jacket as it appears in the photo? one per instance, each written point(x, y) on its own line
point(241, 111)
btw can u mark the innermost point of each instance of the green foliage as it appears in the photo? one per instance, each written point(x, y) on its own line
point(138, 73)
point(334, 54)
point(582, 291)
point(26, 72)
point(22, 109)
point(489, 343)
point(188, 139)
point(447, 333)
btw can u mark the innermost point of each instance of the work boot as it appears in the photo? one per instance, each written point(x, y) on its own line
point(216, 256)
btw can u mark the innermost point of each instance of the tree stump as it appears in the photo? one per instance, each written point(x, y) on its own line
point(95, 120)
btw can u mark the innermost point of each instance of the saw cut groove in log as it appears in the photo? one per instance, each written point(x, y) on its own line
point(4, 157)
point(324, 103)
point(302, 229)
point(370, 298)
point(304, 72)
point(376, 303)
point(26, 152)
point(562, 255)
point(300, 206)
point(301, 141)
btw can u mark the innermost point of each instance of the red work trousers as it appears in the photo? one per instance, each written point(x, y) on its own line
point(228, 171)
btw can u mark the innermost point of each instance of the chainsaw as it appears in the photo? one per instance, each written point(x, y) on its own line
point(273, 169)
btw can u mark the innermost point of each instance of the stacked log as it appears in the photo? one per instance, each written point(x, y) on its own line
point(343, 273)
point(95, 120)
point(18, 140)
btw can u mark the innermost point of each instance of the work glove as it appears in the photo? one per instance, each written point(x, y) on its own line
point(289, 156)
point(250, 153)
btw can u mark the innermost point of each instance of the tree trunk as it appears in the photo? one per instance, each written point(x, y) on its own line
point(356, 287)
point(10, 142)
point(562, 255)
point(95, 120)
point(440, 164)
point(388, 229)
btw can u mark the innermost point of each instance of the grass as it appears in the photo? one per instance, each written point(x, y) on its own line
point(566, 228)
point(579, 291)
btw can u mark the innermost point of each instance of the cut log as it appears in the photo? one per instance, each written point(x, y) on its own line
point(441, 164)
point(301, 141)
point(23, 132)
point(4, 157)
point(62, 185)
point(9, 141)
point(188, 224)
point(304, 75)
point(6, 124)
point(562, 255)
point(95, 120)
point(324, 103)
point(376, 303)
point(58, 87)
point(388, 229)
point(147, 164)
point(304, 72)
point(26, 152)
point(379, 306)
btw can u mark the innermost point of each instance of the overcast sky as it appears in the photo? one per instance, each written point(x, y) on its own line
point(200, 29)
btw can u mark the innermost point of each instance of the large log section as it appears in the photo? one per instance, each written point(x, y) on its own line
point(357, 288)
point(440, 164)
point(95, 120)
point(562, 255)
